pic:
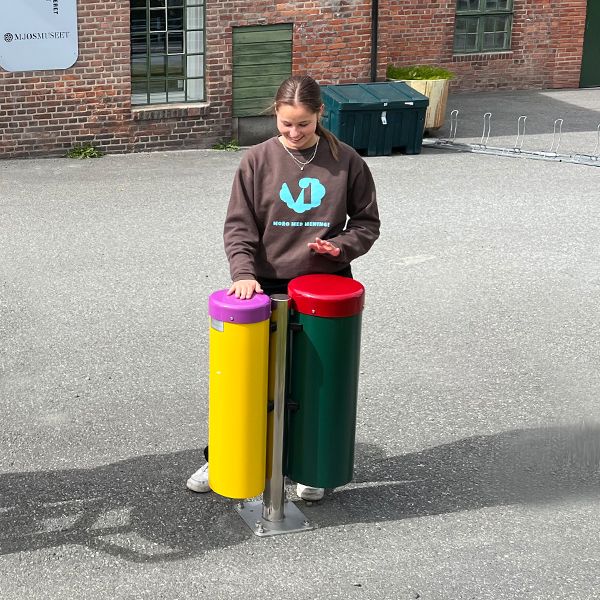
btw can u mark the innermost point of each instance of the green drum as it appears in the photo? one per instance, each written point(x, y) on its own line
point(324, 358)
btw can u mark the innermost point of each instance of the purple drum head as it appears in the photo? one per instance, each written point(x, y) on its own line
point(233, 310)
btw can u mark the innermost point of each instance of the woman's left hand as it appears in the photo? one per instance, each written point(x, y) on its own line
point(324, 247)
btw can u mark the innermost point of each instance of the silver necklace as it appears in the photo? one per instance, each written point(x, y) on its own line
point(301, 163)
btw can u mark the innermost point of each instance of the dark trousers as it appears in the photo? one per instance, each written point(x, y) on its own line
point(280, 286)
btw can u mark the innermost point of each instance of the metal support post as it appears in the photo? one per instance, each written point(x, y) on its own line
point(273, 496)
point(275, 515)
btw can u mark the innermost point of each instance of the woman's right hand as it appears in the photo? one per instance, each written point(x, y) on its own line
point(245, 288)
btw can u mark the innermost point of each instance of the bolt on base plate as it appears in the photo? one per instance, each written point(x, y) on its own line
point(293, 521)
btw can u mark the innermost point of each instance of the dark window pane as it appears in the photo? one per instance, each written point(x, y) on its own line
point(498, 5)
point(158, 43)
point(495, 24)
point(139, 91)
point(459, 43)
point(175, 42)
point(158, 20)
point(138, 3)
point(175, 3)
point(176, 90)
point(156, 3)
point(495, 41)
point(139, 85)
point(471, 43)
point(175, 18)
point(157, 84)
point(138, 21)
point(467, 25)
point(460, 26)
point(139, 65)
point(482, 34)
point(466, 5)
point(157, 66)
point(496, 33)
point(176, 84)
point(158, 90)
point(175, 65)
point(139, 44)
point(465, 39)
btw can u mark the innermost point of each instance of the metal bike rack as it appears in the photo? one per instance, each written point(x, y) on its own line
point(483, 147)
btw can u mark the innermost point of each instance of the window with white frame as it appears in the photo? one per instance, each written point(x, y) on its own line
point(483, 26)
point(167, 51)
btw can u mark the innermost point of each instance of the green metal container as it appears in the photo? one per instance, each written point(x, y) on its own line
point(323, 383)
point(376, 118)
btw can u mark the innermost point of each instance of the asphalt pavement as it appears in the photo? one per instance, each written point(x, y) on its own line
point(478, 450)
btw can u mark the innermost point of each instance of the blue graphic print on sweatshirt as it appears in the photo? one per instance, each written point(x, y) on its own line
point(299, 204)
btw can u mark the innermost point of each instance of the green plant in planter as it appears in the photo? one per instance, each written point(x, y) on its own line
point(431, 81)
point(418, 72)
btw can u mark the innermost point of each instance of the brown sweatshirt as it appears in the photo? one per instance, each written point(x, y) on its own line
point(276, 209)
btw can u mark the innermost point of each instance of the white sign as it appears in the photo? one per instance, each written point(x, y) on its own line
point(38, 34)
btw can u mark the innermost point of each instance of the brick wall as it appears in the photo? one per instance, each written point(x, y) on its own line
point(331, 42)
point(568, 27)
point(45, 113)
point(546, 48)
point(48, 112)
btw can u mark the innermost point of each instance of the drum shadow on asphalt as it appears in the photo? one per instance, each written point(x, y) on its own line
point(139, 510)
point(530, 466)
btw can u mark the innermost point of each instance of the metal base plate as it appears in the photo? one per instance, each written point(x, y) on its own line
point(293, 521)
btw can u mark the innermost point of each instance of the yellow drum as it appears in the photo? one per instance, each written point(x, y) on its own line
point(237, 402)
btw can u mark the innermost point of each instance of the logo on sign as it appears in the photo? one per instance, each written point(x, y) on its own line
point(38, 35)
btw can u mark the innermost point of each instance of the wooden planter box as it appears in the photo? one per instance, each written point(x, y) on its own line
point(437, 92)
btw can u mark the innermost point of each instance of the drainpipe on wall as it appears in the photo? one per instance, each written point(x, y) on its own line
point(374, 37)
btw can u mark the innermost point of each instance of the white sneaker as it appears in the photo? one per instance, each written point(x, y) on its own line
point(198, 482)
point(310, 494)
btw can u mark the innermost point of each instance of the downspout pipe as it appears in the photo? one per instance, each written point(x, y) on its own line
point(374, 37)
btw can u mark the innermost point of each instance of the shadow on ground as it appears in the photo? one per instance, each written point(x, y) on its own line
point(531, 466)
point(139, 509)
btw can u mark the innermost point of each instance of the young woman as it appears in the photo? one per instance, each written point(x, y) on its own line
point(302, 202)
